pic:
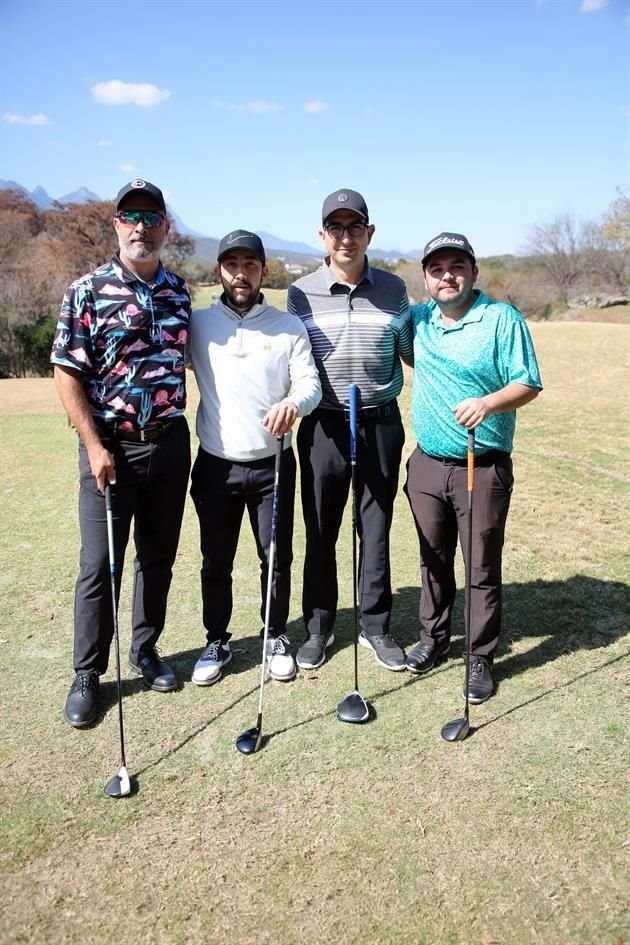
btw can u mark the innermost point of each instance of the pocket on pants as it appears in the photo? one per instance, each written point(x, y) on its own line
point(504, 475)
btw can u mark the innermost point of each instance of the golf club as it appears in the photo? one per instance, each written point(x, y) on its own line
point(457, 729)
point(250, 740)
point(120, 785)
point(354, 708)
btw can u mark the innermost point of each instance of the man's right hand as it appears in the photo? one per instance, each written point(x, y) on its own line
point(102, 466)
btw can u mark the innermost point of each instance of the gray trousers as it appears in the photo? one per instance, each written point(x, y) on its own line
point(438, 496)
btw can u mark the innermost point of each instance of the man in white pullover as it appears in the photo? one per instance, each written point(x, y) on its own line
point(256, 375)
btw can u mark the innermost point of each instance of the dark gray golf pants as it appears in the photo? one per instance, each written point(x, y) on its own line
point(438, 495)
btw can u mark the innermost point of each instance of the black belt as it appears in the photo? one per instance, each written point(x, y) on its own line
point(481, 459)
point(146, 435)
point(365, 413)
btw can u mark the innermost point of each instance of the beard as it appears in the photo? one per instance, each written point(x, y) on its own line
point(245, 299)
point(141, 250)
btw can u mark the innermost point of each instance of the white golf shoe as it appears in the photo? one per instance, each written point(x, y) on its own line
point(280, 662)
point(208, 668)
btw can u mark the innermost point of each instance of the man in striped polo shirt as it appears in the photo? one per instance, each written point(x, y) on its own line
point(358, 322)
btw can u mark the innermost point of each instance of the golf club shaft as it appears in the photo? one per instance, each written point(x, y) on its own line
point(112, 577)
point(270, 565)
point(468, 601)
point(353, 391)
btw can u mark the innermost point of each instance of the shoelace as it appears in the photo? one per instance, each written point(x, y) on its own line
point(211, 652)
point(88, 681)
point(279, 645)
point(476, 668)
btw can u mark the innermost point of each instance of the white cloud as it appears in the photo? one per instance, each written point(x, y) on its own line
point(313, 181)
point(115, 92)
point(256, 107)
point(590, 6)
point(316, 105)
point(104, 143)
point(127, 168)
point(38, 119)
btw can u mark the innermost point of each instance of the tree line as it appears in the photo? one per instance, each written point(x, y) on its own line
point(41, 252)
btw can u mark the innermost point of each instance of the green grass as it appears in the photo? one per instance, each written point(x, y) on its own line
point(380, 834)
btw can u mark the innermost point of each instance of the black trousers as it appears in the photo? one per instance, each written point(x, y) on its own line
point(323, 445)
point(151, 483)
point(438, 495)
point(222, 489)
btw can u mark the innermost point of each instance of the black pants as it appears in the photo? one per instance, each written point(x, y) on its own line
point(151, 483)
point(323, 446)
point(438, 495)
point(222, 489)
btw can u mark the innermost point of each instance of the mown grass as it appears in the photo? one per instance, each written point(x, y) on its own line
point(380, 834)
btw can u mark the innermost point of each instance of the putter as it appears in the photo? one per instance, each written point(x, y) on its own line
point(120, 785)
point(354, 708)
point(250, 740)
point(457, 729)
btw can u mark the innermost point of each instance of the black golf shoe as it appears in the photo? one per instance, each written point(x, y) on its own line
point(386, 651)
point(82, 703)
point(480, 681)
point(312, 652)
point(157, 674)
point(424, 656)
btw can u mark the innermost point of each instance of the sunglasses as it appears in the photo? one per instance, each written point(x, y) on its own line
point(146, 217)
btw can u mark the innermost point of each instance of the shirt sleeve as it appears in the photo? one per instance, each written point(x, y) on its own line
point(306, 388)
point(519, 364)
point(72, 344)
point(405, 334)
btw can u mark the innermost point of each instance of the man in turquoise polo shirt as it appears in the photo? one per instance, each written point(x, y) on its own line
point(474, 366)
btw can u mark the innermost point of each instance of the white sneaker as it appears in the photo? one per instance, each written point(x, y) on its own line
point(280, 662)
point(208, 667)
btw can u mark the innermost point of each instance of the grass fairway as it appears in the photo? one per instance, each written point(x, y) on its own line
point(380, 834)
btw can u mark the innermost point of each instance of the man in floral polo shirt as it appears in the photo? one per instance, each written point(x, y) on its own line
point(119, 367)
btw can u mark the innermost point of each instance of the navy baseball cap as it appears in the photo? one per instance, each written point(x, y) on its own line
point(448, 241)
point(139, 186)
point(242, 239)
point(345, 199)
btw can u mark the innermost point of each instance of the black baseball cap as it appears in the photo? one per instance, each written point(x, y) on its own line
point(139, 186)
point(242, 239)
point(448, 241)
point(345, 199)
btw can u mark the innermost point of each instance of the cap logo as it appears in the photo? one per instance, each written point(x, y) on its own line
point(342, 198)
point(234, 237)
point(138, 183)
point(446, 239)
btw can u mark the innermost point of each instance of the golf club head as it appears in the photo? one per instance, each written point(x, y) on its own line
point(120, 785)
point(353, 708)
point(249, 741)
point(455, 731)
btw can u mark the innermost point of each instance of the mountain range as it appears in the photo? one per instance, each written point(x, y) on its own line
point(206, 247)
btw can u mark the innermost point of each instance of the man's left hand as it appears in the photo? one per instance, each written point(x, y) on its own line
point(280, 418)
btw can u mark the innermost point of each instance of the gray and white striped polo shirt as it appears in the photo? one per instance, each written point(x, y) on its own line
point(357, 335)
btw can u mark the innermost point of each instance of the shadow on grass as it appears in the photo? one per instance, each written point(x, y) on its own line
point(581, 613)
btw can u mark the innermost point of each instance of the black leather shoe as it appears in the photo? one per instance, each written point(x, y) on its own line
point(157, 674)
point(425, 656)
point(81, 706)
point(480, 681)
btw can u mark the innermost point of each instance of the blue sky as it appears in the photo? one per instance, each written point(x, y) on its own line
point(481, 116)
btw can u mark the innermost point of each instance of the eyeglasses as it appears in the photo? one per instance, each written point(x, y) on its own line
point(146, 217)
point(336, 230)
